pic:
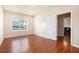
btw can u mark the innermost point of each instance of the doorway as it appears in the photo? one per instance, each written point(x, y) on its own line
point(64, 32)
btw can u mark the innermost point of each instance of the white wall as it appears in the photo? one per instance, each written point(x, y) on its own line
point(50, 19)
point(1, 25)
point(61, 10)
point(7, 24)
point(45, 26)
point(75, 27)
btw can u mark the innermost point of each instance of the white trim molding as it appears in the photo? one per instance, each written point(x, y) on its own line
point(75, 45)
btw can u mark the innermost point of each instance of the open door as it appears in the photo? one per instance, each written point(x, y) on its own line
point(63, 32)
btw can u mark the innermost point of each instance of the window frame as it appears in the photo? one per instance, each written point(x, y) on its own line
point(15, 19)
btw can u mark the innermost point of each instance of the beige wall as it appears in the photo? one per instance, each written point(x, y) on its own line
point(1, 25)
point(8, 32)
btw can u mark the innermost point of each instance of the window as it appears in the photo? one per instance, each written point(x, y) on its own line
point(19, 24)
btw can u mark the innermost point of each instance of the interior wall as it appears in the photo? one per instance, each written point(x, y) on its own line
point(61, 10)
point(51, 28)
point(8, 32)
point(1, 25)
point(45, 29)
point(45, 26)
point(75, 26)
point(60, 25)
point(67, 22)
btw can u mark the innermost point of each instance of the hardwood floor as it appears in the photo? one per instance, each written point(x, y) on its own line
point(34, 44)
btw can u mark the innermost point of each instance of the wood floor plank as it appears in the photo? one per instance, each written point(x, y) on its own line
point(34, 44)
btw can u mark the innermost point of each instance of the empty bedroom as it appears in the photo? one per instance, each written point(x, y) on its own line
point(39, 29)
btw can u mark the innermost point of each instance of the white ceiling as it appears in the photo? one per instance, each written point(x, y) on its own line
point(29, 9)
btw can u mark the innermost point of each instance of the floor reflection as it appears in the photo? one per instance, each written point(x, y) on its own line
point(20, 45)
point(33, 43)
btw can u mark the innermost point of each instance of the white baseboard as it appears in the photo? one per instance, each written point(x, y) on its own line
point(1, 41)
point(52, 38)
point(75, 45)
point(16, 35)
point(46, 37)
